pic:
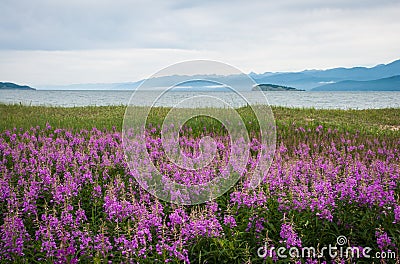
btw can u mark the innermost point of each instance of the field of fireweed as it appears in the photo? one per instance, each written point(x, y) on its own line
point(67, 196)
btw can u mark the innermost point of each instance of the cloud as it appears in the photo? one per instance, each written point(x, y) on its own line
point(88, 66)
point(66, 25)
point(58, 37)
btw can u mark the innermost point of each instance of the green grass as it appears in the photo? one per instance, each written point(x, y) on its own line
point(372, 121)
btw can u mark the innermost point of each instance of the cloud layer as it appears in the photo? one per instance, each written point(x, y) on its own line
point(90, 38)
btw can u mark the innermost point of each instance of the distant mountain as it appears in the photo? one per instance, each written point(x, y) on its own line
point(309, 79)
point(384, 84)
point(199, 85)
point(360, 73)
point(239, 82)
point(13, 86)
point(304, 80)
point(293, 79)
point(273, 87)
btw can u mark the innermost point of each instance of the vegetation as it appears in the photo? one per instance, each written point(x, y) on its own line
point(370, 121)
point(67, 193)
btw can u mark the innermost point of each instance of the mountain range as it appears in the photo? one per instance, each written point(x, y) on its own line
point(336, 78)
point(384, 84)
point(383, 77)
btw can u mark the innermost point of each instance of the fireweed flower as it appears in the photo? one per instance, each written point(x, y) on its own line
point(13, 237)
point(229, 221)
point(396, 213)
point(289, 236)
point(383, 240)
point(70, 196)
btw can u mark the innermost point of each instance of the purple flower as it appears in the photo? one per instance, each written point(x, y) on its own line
point(230, 221)
point(383, 240)
point(396, 212)
point(289, 236)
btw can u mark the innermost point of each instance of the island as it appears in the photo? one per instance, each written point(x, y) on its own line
point(13, 86)
point(273, 87)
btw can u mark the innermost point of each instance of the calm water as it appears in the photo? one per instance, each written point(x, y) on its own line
point(328, 100)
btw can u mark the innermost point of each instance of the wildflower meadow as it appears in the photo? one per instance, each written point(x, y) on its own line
point(68, 195)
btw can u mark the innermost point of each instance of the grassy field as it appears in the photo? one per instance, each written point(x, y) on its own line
point(374, 121)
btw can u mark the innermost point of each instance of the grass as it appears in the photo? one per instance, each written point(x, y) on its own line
point(371, 121)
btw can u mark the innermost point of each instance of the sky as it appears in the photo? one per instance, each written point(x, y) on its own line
point(49, 42)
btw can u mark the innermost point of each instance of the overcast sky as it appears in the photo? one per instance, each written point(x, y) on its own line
point(74, 41)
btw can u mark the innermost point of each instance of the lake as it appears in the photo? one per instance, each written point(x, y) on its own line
point(326, 100)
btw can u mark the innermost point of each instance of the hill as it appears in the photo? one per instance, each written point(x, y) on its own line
point(384, 84)
point(273, 87)
point(13, 86)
